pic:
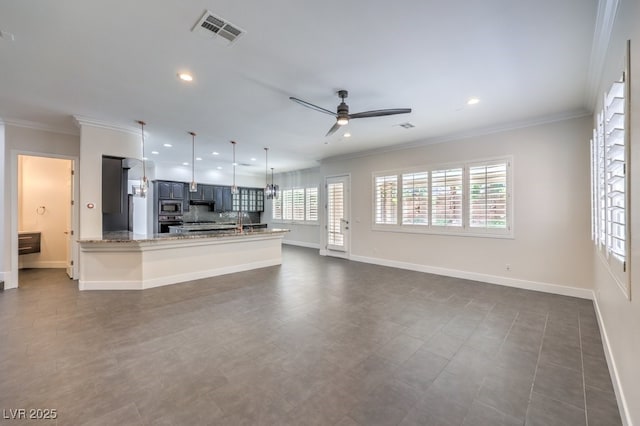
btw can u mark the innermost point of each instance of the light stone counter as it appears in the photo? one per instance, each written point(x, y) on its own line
point(126, 261)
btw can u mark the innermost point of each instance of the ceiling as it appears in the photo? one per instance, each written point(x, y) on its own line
point(117, 62)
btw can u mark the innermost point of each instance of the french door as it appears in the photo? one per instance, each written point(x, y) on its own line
point(337, 227)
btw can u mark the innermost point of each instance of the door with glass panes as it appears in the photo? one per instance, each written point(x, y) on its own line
point(338, 221)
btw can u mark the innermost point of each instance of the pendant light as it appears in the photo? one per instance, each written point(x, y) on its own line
point(268, 188)
point(144, 183)
point(234, 188)
point(194, 186)
point(275, 189)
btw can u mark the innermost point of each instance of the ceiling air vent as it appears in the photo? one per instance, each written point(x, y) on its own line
point(407, 125)
point(212, 26)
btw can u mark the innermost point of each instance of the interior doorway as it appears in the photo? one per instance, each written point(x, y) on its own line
point(45, 214)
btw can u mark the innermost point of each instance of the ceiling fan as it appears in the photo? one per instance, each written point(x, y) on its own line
point(342, 115)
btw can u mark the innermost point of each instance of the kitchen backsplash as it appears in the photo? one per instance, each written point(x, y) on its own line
point(202, 214)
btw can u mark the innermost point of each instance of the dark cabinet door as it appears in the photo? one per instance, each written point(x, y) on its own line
point(222, 198)
point(177, 190)
point(164, 190)
point(196, 195)
point(208, 192)
point(260, 200)
point(227, 199)
point(112, 185)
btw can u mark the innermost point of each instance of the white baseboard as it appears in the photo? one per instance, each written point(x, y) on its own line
point(581, 293)
point(613, 370)
point(301, 244)
point(10, 279)
point(173, 279)
point(41, 264)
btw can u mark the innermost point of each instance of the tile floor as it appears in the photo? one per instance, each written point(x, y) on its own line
point(316, 341)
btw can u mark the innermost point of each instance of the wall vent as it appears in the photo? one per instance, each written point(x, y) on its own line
point(212, 26)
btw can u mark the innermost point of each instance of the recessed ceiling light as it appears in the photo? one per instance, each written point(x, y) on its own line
point(234, 164)
point(253, 159)
point(155, 152)
point(145, 158)
point(347, 135)
point(167, 145)
point(185, 76)
point(198, 158)
point(473, 101)
point(185, 164)
point(214, 153)
point(219, 168)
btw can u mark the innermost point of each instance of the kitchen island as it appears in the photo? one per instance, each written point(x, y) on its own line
point(126, 261)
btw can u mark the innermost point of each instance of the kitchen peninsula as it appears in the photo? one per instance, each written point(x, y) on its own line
point(126, 261)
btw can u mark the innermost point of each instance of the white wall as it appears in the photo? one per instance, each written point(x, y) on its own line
point(95, 142)
point(302, 234)
point(620, 318)
point(44, 205)
point(551, 210)
point(23, 140)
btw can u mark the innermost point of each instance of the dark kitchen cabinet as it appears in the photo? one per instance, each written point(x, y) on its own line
point(171, 190)
point(222, 198)
point(204, 193)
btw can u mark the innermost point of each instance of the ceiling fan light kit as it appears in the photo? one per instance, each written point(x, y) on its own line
point(342, 112)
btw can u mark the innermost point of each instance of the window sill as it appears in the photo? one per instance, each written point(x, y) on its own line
point(460, 232)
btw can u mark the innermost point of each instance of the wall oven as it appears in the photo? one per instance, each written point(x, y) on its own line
point(165, 221)
point(170, 207)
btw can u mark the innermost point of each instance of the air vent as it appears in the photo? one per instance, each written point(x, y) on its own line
point(212, 26)
point(406, 125)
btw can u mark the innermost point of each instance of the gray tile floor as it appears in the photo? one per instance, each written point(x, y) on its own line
point(316, 341)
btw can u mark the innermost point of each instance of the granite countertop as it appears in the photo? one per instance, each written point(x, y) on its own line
point(127, 237)
point(210, 226)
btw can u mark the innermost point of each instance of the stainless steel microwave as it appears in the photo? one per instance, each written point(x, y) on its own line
point(171, 207)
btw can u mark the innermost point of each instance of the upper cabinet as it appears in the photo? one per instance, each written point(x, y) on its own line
point(222, 198)
point(204, 193)
point(171, 190)
point(249, 200)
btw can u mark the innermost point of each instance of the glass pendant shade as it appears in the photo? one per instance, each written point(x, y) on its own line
point(193, 187)
point(234, 188)
point(144, 183)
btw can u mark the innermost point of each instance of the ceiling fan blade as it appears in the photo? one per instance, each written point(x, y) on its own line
point(333, 129)
point(312, 106)
point(380, 113)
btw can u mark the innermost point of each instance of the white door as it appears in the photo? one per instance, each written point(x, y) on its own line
point(338, 216)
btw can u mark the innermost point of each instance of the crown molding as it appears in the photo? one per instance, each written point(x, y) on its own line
point(464, 135)
point(82, 120)
point(39, 126)
point(605, 18)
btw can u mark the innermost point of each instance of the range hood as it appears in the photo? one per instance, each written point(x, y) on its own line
point(202, 203)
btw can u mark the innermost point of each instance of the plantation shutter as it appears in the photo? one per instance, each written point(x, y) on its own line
point(386, 200)
point(311, 213)
point(614, 141)
point(287, 204)
point(488, 196)
point(446, 197)
point(298, 204)
point(415, 198)
point(276, 208)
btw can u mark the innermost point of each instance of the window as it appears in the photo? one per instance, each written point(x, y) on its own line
point(386, 202)
point(415, 198)
point(296, 205)
point(488, 196)
point(609, 195)
point(311, 205)
point(446, 198)
point(472, 198)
